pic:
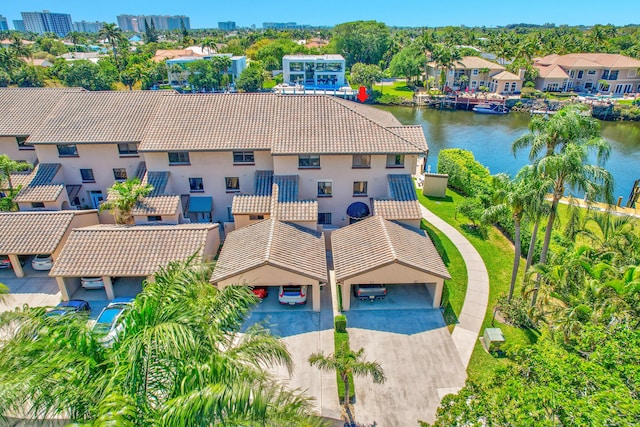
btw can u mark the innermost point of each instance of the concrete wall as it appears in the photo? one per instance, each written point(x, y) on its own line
point(268, 275)
point(435, 184)
point(212, 244)
point(338, 168)
point(102, 158)
point(393, 274)
point(166, 219)
point(244, 220)
point(212, 167)
point(9, 146)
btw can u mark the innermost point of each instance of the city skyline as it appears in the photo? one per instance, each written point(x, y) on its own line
point(411, 13)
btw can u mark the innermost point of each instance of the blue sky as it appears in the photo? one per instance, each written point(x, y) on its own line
point(415, 13)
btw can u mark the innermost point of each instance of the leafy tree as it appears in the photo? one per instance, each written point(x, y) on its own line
point(347, 362)
point(9, 166)
point(426, 42)
point(445, 58)
point(88, 75)
point(150, 32)
point(122, 198)
point(179, 360)
point(406, 63)
point(30, 76)
point(362, 41)
point(365, 75)
point(251, 78)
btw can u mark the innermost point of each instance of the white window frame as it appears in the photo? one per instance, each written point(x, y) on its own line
point(324, 181)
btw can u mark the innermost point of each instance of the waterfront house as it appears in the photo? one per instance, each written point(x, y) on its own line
point(314, 71)
point(479, 73)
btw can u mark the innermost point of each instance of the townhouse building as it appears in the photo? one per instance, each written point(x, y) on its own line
point(606, 73)
point(478, 73)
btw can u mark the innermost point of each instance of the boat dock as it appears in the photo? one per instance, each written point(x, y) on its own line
point(454, 102)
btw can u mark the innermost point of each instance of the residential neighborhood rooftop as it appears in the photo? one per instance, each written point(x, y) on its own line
point(37, 185)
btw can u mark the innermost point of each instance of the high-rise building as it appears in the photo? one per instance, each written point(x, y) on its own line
point(227, 26)
point(47, 22)
point(3, 24)
point(280, 25)
point(18, 25)
point(137, 24)
point(88, 27)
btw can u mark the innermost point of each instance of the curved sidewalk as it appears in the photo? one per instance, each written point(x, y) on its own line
point(476, 300)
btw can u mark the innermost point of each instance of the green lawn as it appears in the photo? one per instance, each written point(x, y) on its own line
point(398, 89)
point(269, 84)
point(497, 253)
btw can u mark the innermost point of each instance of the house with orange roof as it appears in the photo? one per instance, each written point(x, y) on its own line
point(480, 73)
point(588, 72)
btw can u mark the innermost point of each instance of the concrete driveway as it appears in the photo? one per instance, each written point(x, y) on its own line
point(38, 290)
point(304, 332)
point(419, 359)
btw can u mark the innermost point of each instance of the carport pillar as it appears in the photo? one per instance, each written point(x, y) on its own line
point(108, 287)
point(437, 294)
point(346, 296)
point(315, 292)
point(15, 264)
point(62, 285)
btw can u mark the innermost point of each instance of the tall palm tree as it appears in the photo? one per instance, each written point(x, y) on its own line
point(179, 360)
point(426, 42)
point(209, 44)
point(21, 49)
point(347, 362)
point(445, 58)
point(123, 196)
point(113, 34)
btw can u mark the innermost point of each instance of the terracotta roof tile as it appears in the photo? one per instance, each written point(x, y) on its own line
point(505, 75)
point(33, 232)
point(111, 250)
point(397, 209)
point(303, 210)
point(244, 204)
point(274, 243)
point(592, 60)
point(376, 242)
point(25, 109)
point(98, 117)
point(39, 187)
point(165, 204)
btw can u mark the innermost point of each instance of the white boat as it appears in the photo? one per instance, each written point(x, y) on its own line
point(490, 109)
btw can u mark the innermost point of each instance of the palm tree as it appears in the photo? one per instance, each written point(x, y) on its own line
point(9, 166)
point(179, 360)
point(426, 43)
point(209, 44)
point(21, 50)
point(347, 362)
point(75, 38)
point(113, 34)
point(445, 58)
point(123, 196)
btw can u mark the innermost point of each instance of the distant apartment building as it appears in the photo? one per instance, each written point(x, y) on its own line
point(3, 24)
point(280, 25)
point(47, 22)
point(137, 23)
point(227, 26)
point(87, 27)
point(314, 70)
point(18, 25)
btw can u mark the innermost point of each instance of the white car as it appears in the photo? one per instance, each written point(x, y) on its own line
point(92, 282)
point(42, 262)
point(293, 294)
point(108, 323)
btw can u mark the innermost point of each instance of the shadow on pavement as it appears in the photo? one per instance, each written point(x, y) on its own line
point(405, 321)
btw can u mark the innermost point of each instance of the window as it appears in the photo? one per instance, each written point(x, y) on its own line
point(154, 218)
point(179, 158)
point(232, 183)
point(120, 174)
point(632, 73)
point(395, 160)
point(37, 205)
point(474, 84)
point(67, 150)
point(591, 72)
point(580, 73)
point(21, 143)
point(128, 149)
point(359, 188)
point(325, 188)
point(87, 175)
point(256, 217)
point(324, 218)
point(196, 185)
point(243, 157)
point(572, 73)
point(361, 161)
point(605, 75)
point(309, 161)
point(613, 75)
point(475, 72)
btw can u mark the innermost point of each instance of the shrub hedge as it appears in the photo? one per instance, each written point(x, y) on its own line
point(465, 174)
point(340, 323)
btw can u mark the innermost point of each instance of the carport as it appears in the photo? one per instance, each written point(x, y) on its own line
point(273, 253)
point(109, 251)
point(376, 250)
point(39, 232)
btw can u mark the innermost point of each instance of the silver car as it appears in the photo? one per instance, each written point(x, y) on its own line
point(42, 262)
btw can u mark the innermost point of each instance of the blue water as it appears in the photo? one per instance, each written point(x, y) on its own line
point(489, 137)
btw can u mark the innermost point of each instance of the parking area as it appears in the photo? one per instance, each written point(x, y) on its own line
point(8, 273)
point(411, 296)
point(304, 331)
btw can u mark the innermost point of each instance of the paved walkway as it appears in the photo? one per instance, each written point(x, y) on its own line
point(476, 300)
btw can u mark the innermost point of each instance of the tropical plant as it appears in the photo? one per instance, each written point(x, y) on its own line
point(112, 34)
point(179, 360)
point(251, 78)
point(365, 75)
point(9, 166)
point(347, 362)
point(122, 198)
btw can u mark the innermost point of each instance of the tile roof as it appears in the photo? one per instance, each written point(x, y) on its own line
point(280, 123)
point(164, 204)
point(401, 187)
point(593, 60)
point(397, 209)
point(551, 72)
point(98, 117)
point(39, 187)
point(282, 205)
point(473, 62)
point(33, 232)
point(270, 242)
point(505, 75)
point(244, 204)
point(375, 242)
point(111, 250)
point(303, 210)
point(25, 109)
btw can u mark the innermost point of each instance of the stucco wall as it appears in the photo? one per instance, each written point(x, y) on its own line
point(212, 244)
point(9, 146)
